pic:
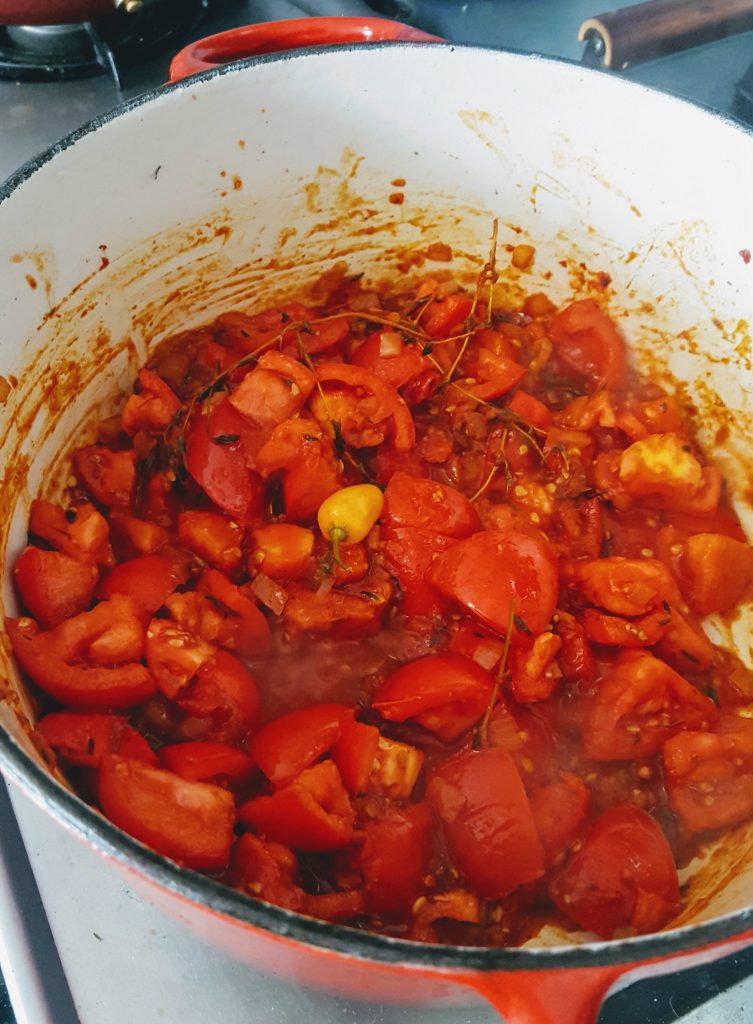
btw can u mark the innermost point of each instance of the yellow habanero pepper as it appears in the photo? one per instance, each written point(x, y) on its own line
point(346, 516)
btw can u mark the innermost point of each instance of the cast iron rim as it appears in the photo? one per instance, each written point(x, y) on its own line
point(353, 943)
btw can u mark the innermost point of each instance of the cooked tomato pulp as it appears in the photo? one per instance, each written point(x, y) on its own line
point(386, 610)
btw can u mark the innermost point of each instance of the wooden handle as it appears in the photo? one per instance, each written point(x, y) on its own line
point(654, 29)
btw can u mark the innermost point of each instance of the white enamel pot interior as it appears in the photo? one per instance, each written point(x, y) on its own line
point(245, 184)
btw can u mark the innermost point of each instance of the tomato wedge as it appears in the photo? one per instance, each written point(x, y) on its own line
point(109, 638)
point(560, 811)
point(152, 407)
point(623, 876)
point(502, 575)
point(586, 340)
point(224, 698)
point(294, 741)
point(445, 693)
point(201, 761)
point(148, 580)
point(638, 706)
point(192, 822)
point(394, 857)
point(83, 740)
point(487, 821)
point(54, 586)
point(313, 813)
point(411, 501)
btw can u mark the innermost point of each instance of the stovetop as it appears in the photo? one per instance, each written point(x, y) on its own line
point(77, 945)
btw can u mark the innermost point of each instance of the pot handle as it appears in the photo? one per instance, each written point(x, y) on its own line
point(572, 996)
point(643, 32)
point(292, 34)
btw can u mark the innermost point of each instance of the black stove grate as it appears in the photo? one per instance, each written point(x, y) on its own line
point(107, 46)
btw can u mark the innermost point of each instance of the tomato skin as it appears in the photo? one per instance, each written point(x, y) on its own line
point(586, 340)
point(312, 813)
point(222, 469)
point(530, 409)
point(225, 694)
point(395, 369)
point(640, 690)
point(394, 857)
point(709, 775)
point(354, 754)
point(148, 580)
point(560, 811)
point(83, 740)
point(109, 476)
point(80, 532)
point(53, 659)
point(576, 659)
point(446, 693)
point(53, 586)
point(623, 876)
point(281, 551)
point(493, 573)
point(497, 374)
point(416, 502)
point(135, 536)
point(390, 403)
point(201, 761)
point(284, 747)
point(487, 821)
point(624, 586)
point(342, 614)
point(191, 822)
point(533, 677)
point(152, 408)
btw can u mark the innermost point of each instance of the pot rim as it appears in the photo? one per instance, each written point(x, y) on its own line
point(206, 892)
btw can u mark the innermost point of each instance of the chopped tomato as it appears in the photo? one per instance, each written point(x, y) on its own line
point(281, 551)
point(354, 612)
point(389, 403)
point(503, 577)
point(638, 706)
point(109, 476)
point(191, 822)
point(623, 876)
point(212, 537)
point(445, 693)
point(493, 377)
point(586, 340)
point(219, 445)
point(286, 746)
point(224, 699)
point(80, 532)
point(414, 502)
point(355, 753)
point(717, 571)
point(387, 355)
point(243, 628)
point(560, 811)
point(148, 580)
point(54, 586)
point(174, 656)
point(663, 468)
point(200, 761)
point(624, 586)
point(709, 775)
point(83, 740)
point(276, 390)
point(645, 631)
point(265, 870)
point(89, 662)
point(138, 536)
point(576, 658)
point(410, 553)
point(479, 795)
point(299, 449)
point(394, 857)
point(530, 409)
point(152, 407)
point(534, 674)
point(444, 315)
point(313, 813)
point(474, 641)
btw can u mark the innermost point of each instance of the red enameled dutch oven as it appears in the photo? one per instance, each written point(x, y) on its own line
point(226, 189)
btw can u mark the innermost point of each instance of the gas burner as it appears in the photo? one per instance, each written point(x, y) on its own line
point(128, 36)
